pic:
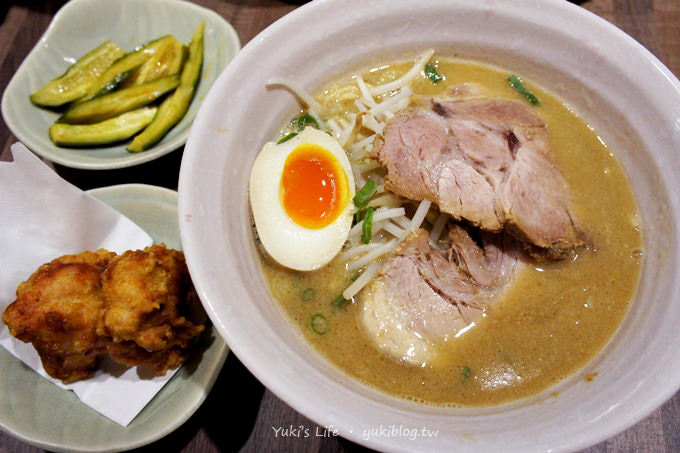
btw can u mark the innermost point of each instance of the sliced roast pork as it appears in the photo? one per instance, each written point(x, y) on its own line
point(485, 161)
point(423, 296)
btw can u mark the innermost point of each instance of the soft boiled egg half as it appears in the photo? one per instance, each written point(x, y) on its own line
point(301, 194)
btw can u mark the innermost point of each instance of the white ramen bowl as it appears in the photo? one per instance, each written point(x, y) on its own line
point(620, 88)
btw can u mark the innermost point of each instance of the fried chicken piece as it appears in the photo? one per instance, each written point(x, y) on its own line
point(147, 293)
point(57, 309)
point(78, 308)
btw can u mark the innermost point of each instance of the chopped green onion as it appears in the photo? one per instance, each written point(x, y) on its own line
point(466, 372)
point(432, 74)
point(307, 295)
point(319, 324)
point(367, 226)
point(516, 83)
point(364, 194)
point(286, 138)
point(339, 302)
point(303, 121)
point(355, 276)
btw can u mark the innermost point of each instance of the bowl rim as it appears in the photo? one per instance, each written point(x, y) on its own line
point(257, 363)
point(124, 161)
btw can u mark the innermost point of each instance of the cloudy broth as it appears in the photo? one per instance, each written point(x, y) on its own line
point(555, 316)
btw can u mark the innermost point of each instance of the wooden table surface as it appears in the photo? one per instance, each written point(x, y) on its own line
point(240, 414)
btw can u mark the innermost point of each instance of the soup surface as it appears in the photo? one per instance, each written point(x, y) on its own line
point(556, 315)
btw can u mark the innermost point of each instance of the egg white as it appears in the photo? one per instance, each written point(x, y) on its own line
point(287, 242)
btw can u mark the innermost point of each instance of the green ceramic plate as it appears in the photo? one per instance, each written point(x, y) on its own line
point(40, 413)
point(82, 25)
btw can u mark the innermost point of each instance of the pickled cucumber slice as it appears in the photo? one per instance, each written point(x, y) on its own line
point(109, 131)
point(78, 78)
point(167, 60)
point(124, 67)
point(175, 106)
point(113, 104)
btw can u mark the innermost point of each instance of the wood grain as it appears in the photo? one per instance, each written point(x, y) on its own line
point(240, 414)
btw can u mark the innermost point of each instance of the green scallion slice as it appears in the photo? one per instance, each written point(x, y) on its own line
point(286, 138)
point(432, 74)
point(364, 195)
point(308, 294)
point(319, 324)
point(517, 84)
point(339, 302)
point(367, 226)
point(465, 373)
point(303, 121)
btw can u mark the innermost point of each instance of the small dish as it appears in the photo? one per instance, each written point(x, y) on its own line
point(80, 26)
point(41, 414)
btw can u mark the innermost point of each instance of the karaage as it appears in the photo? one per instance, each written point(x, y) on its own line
point(133, 307)
point(147, 294)
point(57, 309)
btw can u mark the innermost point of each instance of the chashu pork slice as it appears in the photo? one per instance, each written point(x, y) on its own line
point(424, 296)
point(487, 161)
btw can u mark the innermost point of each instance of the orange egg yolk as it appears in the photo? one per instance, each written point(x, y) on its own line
point(313, 187)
